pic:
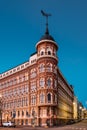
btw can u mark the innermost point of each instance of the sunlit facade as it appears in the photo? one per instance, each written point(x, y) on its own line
point(75, 108)
point(36, 91)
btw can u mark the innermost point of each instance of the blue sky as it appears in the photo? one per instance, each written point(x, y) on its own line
point(22, 25)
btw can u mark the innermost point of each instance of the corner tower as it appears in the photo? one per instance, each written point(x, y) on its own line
point(47, 86)
point(47, 45)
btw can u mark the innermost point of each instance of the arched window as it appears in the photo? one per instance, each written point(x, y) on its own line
point(49, 67)
point(49, 97)
point(42, 51)
point(49, 82)
point(42, 98)
point(42, 82)
point(42, 68)
point(33, 99)
point(33, 73)
point(49, 52)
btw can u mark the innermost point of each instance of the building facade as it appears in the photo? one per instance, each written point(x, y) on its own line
point(75, 108)
point(36, 92)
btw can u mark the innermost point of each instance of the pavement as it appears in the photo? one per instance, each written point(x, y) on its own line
point(77, 126)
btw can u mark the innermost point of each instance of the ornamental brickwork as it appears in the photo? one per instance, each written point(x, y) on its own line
point(36, 93)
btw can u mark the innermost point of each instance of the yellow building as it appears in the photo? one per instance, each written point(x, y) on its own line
point(36, 92)
point(75, 108)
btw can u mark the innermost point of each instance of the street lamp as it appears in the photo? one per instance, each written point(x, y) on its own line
point(80, 112)
point(1, 109)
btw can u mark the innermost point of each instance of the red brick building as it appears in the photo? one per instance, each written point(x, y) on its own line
point(36, 92)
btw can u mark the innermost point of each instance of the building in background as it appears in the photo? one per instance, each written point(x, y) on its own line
point(36, 92)
point(75, 108)
point(81, 111)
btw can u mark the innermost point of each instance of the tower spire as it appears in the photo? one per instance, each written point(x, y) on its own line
point(46, 15)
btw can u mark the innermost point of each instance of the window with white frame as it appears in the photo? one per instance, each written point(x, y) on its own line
point(33, 99)
point(49, 67)
point(49, 82)
point(49, 51)
point(41, 68)
point(42, 98)
point(33, 73)
point(42, 82)
point(33, 86)
point(42, 51)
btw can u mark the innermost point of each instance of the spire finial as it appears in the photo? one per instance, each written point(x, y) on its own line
point(46, 15)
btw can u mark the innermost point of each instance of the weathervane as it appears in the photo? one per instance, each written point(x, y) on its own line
point(46, 15)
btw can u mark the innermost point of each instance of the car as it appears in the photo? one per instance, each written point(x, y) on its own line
point(70, 122)
point(8, 124)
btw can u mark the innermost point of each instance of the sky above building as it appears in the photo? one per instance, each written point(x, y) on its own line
point(22, 25)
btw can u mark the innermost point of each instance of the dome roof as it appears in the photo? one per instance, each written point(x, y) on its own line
point(46, 36)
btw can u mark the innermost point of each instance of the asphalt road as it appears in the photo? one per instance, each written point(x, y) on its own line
point(78, 126)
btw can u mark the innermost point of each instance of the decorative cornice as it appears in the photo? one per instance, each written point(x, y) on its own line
point(47, 41)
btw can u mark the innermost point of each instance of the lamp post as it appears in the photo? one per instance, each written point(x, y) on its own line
point(1, 109)
point(80, 112)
